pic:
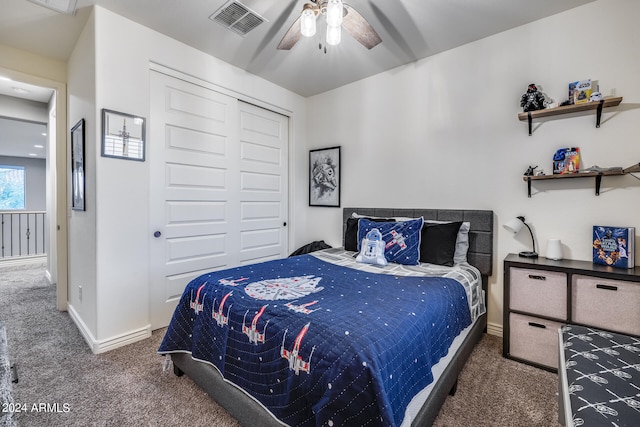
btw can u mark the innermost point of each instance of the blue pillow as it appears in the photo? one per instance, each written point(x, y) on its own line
point(402, 239)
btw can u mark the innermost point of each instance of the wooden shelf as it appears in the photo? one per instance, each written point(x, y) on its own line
point(597, 175)
point(632, 169)
point(567, 109)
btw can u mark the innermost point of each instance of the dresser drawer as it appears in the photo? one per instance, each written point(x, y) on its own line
point(606, 304)
point(539, 292)
point(534, 339)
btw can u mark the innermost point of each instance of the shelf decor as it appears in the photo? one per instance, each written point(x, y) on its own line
point(594, 174)
point(123, 135)
point(567, 109)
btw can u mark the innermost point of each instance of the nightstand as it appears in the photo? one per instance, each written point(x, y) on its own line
point(540, 295)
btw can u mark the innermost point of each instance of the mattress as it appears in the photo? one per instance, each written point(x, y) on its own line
point(319, 339)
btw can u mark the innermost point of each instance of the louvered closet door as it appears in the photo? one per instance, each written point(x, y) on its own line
point(204, 189)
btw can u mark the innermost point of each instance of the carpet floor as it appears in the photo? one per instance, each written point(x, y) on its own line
point(62, 383)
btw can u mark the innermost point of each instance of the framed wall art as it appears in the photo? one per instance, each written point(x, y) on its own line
point(324, 177)
point(123, 135)
point(77, 167)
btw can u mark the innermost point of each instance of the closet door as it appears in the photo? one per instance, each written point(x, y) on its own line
point(263, 184)
point(206, 211)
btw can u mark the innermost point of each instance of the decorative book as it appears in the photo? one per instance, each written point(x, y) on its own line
point(614, 246)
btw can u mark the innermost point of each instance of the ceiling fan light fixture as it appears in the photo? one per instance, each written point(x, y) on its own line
point(334, 35)
point(308, 21)
point(335, 12)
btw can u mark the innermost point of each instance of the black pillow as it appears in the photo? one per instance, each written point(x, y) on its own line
point(438, 243)
point(351, 233)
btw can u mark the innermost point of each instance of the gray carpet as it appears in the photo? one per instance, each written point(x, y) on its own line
point(126, 386)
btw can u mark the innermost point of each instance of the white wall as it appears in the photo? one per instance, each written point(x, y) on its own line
point(23, 109)
point(82, 224)
point(443, 133)
point(117, 220)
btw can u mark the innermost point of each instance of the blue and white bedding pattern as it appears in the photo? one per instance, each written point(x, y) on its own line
point(319, 343)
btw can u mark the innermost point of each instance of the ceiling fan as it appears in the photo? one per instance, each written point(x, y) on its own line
point(338, 15)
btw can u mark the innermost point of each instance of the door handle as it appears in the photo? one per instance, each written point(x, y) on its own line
point(157, 234)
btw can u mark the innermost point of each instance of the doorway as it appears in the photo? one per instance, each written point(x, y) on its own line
point(17, 88)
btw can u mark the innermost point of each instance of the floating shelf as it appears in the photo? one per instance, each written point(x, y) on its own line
point(597, 175)
point(567, 109)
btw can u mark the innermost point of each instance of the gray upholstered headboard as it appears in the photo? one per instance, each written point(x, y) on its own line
point(480, 253)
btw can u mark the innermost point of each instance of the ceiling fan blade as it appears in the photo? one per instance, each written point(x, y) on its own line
point(359, 28)
point(292, 36)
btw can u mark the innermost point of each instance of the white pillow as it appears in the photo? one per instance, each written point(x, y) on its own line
point(395, 218)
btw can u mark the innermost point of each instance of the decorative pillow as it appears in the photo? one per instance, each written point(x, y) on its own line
point(402, 239)
point(462, 240)
point(351, 242)
point(372, 251)
point(438, 243)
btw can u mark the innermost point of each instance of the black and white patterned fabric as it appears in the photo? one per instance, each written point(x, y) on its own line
point(6, 401)
point(602, 374)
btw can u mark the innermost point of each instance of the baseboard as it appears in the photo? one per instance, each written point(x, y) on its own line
point(102, 346)
point(494, 329)
point(23, 260)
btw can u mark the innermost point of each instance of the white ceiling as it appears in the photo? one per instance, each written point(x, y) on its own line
point(410, 30)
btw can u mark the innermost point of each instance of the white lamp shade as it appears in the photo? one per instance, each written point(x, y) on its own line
point(514, 226)
point(334, 34)
point(334, 13)
point(308, 23)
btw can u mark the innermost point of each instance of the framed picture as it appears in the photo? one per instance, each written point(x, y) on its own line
point(123, 135)
point(77, 166)
point(324, 177)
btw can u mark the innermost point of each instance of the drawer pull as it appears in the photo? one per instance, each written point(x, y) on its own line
point(537, 325)
point(535, 277)
point(607, 287)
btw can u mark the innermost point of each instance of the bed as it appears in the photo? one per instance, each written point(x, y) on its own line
point(320, 339)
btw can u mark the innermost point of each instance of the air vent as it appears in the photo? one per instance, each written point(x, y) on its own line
point(237, 17)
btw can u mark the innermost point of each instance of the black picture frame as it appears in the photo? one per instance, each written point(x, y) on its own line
point(77, 167)
point(123, 135)
point(324, 177)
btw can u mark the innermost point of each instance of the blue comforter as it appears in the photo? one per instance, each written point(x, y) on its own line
point(320, 344)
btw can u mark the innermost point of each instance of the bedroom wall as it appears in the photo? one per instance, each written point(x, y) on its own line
point(443, 133)
point(116, 261)
point(83, 305)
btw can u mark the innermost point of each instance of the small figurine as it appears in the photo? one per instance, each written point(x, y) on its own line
point(596, 96)
point(532, 100)
point(530, 171)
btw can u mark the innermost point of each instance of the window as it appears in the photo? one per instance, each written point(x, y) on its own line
point(11, 187)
